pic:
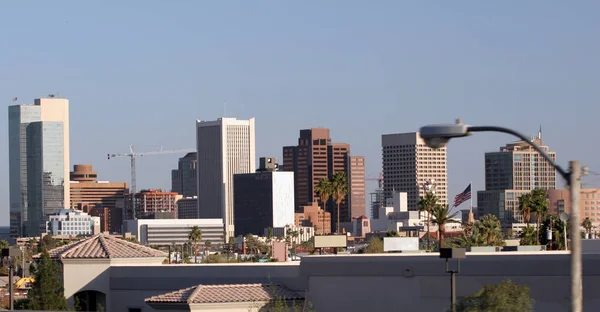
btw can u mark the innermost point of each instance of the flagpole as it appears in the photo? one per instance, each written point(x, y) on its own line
point(471, 185)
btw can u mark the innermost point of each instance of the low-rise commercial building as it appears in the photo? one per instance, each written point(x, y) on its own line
point(72, 222)
point(164, 232)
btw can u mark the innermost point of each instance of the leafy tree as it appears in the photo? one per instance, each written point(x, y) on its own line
point(375, 245)
point(426, 204)
point(48, 243)
point(504, 297)
point(324, 190)
point(340, 190)
point(195, 236)
point(441, 216)
point(47, 292)
point(3, 244)
point(392, 233)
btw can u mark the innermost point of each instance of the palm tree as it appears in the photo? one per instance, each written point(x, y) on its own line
point(528, 236)
point(427, 203)
point(525, 206)
point(441, 216)
point(587, 225)
point(539, 201)
point(490, 230)
point(195, 236)
point(324, 190)
point(339, 187)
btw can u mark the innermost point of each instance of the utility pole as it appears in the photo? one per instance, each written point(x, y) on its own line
point(576, 282)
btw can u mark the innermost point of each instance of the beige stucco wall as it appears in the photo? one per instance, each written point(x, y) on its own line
point(362, 282)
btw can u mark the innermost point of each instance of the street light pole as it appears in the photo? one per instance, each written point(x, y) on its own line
point(576, 278)
point(437, 136)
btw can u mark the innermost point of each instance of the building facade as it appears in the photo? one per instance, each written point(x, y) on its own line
point(167, 232)
point(38, 163)
point(316, 158)
point(73, 223)
point(315, 217)
point(356, 181)
point(514, 170)
point(149, 204)
point(187, 208)
point(87, 191)
point(183, 179)
point(224, 147)
point(408, 163)
point(589, 203)
point(264, 199)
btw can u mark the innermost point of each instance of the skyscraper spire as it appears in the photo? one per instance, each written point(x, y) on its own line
point(540, 133)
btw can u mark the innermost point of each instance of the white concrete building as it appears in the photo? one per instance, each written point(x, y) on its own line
point(396, 216)
point(162, 232)
point(39, 163)
point(225, 147)
point(72, 222)
point(408, 162)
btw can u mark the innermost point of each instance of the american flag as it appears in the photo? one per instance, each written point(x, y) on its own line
point(463, 197)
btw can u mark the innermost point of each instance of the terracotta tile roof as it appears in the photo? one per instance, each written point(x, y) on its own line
point(103, 246)
point(226, 293)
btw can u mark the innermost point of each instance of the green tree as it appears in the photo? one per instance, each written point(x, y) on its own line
point(539, 201)
point(587, 225)
point(392, 233)
point(525, 204)
point(490, 229)
point(528, 236)
point(340, 190)
point(3, 244)
point(557, 227)
point(504, 297)
point(48, 243)
point(195, 236)
point(375, 245)
point(441, 216)
point(47, 292)
point(324, 190)
point(426, 204)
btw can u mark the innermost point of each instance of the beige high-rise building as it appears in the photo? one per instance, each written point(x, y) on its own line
point(356, 183)
point(514, 170)
point(408, 163)
point(225, 147)
point(38, 163)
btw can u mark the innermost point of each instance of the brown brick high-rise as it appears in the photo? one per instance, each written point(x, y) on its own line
point(316, 158)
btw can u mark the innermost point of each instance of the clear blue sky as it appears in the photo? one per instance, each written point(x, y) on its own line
point(141, 72)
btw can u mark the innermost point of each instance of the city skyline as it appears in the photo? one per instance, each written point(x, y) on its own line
point(398, 71)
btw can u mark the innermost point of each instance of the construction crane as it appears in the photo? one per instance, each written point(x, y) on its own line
point(132, 155)
point(379, 180)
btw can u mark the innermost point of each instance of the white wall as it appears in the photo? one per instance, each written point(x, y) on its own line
point(283, 198)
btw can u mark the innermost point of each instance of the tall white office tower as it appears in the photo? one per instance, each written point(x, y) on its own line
point(225, 147)
point(38, 163)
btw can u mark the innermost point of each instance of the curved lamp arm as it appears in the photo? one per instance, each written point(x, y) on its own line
point(566, 175)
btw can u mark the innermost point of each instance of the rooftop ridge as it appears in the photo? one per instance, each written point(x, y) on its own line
point(103, 244)
point(194, 293)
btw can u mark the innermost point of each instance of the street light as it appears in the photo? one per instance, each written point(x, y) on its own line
point(437, 136)
point(453, 253)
